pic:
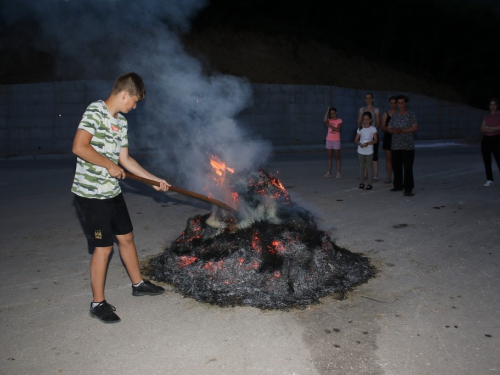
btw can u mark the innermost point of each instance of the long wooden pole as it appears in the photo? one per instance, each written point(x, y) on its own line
point(182, 191)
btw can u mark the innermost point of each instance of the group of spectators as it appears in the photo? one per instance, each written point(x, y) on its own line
point(398, 125)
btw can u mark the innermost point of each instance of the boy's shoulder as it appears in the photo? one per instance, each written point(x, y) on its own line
point(100, 110)
point(97, 105)
point(96, 109)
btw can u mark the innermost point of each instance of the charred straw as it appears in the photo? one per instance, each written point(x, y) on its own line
point(277, 259)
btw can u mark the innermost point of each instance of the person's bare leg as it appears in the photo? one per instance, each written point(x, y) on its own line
point(337, 160)
point(388, 164)
point(375, 169)
point(330, 162)
point(128, 253)
point(98, 270)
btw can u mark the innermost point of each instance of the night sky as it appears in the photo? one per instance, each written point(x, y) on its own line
point(446, 41)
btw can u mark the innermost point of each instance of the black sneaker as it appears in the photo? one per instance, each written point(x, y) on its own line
point(104, 312)
point(147, 288)
point(408, 194)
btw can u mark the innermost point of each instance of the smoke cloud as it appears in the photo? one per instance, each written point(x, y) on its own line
point(188, 115)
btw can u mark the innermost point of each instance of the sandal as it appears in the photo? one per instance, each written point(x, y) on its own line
point(327, 175)
point(369, 187)
point(387, 181)
point(361, 186)
point(375, 179)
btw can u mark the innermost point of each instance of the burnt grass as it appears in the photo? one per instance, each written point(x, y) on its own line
point(276, 263)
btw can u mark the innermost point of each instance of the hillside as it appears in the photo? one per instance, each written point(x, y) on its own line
point(285, 59)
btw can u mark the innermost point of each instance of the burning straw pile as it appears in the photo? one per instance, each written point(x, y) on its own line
point(272, 256)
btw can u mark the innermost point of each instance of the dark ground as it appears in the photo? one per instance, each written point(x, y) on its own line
point(433, 308)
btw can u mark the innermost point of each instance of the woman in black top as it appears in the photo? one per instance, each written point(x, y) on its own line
point(386, 143)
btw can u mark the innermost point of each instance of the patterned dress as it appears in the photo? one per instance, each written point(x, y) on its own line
point(403, 141)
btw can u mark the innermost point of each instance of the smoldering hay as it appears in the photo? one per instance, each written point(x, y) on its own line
point(272, 256)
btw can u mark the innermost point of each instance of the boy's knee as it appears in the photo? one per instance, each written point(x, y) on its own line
point(126, 238)
point(104, 251)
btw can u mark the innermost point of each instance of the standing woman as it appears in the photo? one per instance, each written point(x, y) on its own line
point(402, 126)
point(370, 107)
point(332, 139)
point(490, 143)
point(386, 142)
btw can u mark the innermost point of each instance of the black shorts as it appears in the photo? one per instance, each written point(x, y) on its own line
point(104, 218)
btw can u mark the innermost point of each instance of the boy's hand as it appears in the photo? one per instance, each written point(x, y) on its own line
point(164, 185)
point(116, 171)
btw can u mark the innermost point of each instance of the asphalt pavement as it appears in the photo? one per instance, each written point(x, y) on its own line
point(433, 308)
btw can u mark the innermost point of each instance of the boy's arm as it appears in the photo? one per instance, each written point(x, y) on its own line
point(133, 166)
point(83, 149)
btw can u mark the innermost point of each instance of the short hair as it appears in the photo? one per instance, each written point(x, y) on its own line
point(367, 114)
point(495, 100)
point(393, 98)
point(404, 97)
point(369, 93)
point(332, 109)
point(131, 83)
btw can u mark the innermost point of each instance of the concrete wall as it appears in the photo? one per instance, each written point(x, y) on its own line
point(42, 117)
point(293, 115)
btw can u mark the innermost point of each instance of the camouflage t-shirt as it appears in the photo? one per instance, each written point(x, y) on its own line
point(109, 136)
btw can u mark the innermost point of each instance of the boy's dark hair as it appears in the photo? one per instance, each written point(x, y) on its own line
point(332, 109)
point(404, 97)
point(393, 98)
point(367, 114)
point(131, 83)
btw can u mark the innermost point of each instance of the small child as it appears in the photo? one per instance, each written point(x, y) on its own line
point(101, 142)
point(332, 139)
point(366, 137)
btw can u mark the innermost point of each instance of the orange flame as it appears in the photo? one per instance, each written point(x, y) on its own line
point(220, 168)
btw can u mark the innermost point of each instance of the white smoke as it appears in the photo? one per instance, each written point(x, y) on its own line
point(187, 115)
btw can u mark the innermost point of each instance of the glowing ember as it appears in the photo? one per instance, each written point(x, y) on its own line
point(186, 261)
point(255, 243)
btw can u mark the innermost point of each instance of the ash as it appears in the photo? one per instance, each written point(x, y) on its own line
point(272, 257)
